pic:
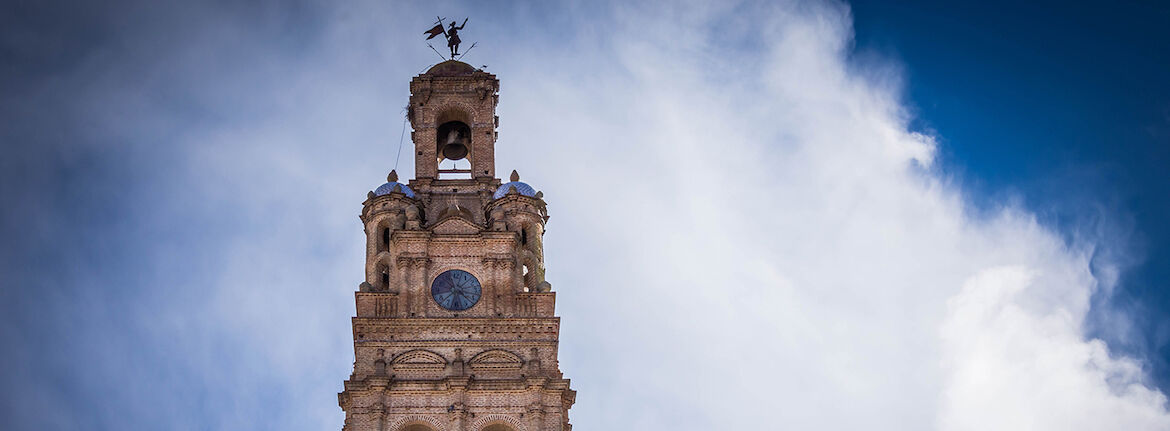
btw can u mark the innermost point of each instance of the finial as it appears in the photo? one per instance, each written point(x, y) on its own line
point(393, 177)
point(540, 195)
point(515, 176)
point(370, 195)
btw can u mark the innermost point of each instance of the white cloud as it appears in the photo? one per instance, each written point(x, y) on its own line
point(1011, 366)
point(776, 250)
point(744, 232)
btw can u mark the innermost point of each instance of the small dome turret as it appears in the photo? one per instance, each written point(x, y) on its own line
point(521, 187)
point(393, 185)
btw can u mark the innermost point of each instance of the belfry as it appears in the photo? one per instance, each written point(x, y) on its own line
point(455, 327)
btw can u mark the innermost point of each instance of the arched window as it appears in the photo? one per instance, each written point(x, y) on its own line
point(417, 427)
point(382, 271)
point(383, 236)
point(497, 427)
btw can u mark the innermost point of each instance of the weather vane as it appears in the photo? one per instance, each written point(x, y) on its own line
point(452, 35)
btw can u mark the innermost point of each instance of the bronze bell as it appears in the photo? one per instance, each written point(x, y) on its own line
point(456, 146)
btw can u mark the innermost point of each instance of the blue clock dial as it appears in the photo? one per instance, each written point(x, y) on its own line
point(456, 290)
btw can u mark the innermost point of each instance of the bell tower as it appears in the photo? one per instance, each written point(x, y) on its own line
point(455, 327)
point(453, 112)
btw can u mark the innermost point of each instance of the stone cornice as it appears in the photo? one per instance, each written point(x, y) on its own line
point(473, 386)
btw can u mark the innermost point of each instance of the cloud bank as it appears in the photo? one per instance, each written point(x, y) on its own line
point(745, 232)
point(789, 256)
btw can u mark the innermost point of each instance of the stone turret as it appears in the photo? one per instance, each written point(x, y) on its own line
point(519, 208)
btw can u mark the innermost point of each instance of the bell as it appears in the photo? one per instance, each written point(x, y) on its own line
point(454, 151)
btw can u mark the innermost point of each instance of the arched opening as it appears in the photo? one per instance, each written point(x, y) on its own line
point(382, 271)
point(452, 148)
point(417, 427)
point(384, 238)
point(453, 140)
point(497, 427)
point(527, 276)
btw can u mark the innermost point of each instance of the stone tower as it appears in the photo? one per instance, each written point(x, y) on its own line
point(455, 326)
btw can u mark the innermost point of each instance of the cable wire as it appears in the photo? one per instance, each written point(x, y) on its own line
point(400, 136)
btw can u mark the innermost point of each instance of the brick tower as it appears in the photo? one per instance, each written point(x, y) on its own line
point(455, 326)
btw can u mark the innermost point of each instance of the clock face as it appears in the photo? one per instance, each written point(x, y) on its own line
point(456, 290)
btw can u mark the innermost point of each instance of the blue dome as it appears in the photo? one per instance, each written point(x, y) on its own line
point(385, 189)
point(522, 188)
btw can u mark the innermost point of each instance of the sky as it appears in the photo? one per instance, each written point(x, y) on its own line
point(777, 215)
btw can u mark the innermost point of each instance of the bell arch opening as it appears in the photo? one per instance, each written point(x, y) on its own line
point(452, 146)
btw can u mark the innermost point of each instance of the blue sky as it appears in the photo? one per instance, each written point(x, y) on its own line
point(959, 205)
point(1061, 104)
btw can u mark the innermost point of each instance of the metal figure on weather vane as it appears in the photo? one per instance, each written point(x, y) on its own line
point(451, 33)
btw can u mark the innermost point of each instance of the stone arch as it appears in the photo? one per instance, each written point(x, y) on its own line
point(458, 139)
point(406, 422)
point(535, 270)
point(486, 421)
point(419, 359)
point(533, 233)
point(383, 274)
point(382, 230)
point(454, 111)
point(455, 210)
point(453, 124)
point(496, 359)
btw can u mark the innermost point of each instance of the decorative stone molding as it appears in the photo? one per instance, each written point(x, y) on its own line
point(499, 262)
point(401, 423)
point(485, 421)
point(413, 261)
point(455, 225)
point(419, 360)
point(496, 359)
